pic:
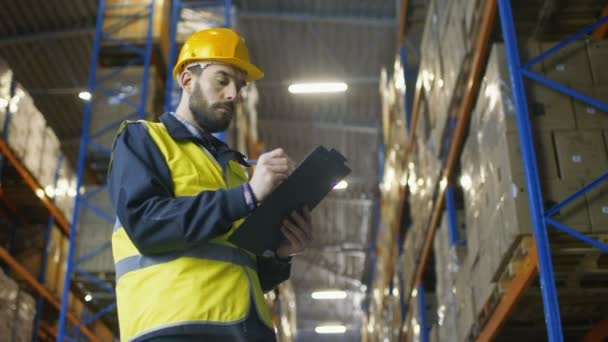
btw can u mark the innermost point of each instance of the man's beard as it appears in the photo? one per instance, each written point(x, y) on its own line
point(210, 117)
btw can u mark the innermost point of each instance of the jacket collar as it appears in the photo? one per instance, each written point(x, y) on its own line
point(216, 147)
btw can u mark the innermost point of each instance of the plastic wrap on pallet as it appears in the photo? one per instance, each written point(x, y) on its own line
point(194, 19)
point(6, 77)
point(65, 190)
point(17, 311)
point(447, 261)
point(22, 109)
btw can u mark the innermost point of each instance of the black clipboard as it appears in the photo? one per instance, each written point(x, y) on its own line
point(307, 185)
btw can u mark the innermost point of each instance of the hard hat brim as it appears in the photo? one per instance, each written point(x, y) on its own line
point(252, 72)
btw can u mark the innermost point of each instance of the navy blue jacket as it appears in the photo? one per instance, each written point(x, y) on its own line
point(141, 192)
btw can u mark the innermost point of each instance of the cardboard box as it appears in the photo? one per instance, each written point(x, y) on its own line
point(548, 109)
point(54, 260)
point(587, 116)
point(135, 29)
point(598, 55)
point(545, 155)
point(580, 154)
point(597, 201)
point(575, 215)
point(569, 64)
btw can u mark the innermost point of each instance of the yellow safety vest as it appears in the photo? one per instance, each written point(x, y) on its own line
point(211, 284)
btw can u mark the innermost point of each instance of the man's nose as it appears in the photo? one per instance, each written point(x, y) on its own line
point(230, 92)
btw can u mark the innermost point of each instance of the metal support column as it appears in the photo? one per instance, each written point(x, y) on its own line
point(450, 204)
point(424, 329)
point(45, 255)
point(172, 89)
point(549, 294)
point(88, 140)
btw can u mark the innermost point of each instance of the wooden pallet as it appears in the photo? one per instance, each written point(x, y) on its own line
point(513, 263)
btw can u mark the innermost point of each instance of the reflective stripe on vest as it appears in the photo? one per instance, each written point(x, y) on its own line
point(208, 251)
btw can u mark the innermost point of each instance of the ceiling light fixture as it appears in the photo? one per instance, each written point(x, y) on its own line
point(328, 294)
point(341, 185)
point(85, 95)
point(316, 88)
point(88, 297)
point(330, 329)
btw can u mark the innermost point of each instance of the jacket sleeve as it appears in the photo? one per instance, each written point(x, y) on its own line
point(141, 192)
point(272, 272)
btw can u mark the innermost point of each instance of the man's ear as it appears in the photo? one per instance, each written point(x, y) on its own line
point(187, 81)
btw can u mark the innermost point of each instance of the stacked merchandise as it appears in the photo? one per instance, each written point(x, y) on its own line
point(128, 19)
point(570, 148)
point(17, 312)
point(34, 142)
point(450, 315)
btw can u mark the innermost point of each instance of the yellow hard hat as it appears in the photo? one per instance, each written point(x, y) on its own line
point(217, 45)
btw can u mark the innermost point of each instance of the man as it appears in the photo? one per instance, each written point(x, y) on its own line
point(179, 193)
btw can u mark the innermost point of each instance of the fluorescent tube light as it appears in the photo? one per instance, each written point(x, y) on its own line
point(316, 88)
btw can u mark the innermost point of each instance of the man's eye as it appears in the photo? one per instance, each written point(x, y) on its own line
point(222, 81)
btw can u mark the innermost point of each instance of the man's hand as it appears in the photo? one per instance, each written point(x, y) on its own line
point(298, 232)
point(271, 170)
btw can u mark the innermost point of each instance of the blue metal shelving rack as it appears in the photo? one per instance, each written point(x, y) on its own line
point(540, 258)
point(95, 87)
point(540, 217)
point(172, 90)
point(142, 51)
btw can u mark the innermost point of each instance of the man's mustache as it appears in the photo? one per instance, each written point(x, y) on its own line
point(227, 105)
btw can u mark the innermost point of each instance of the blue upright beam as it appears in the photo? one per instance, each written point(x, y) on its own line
point(406, 102)
point(88, 142)
point(450, 204)
point(45, 255)
point(61, 333)
point(172, 55)
point(549, 293)
point(424, 329)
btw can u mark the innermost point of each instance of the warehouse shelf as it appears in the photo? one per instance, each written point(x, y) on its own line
point(33, 184)
point(43, 291)
point(115, 35)
point(472, 87)
point(17, 179)
point(537, 260)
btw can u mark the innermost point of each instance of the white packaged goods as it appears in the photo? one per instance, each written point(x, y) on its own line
point(17, 311)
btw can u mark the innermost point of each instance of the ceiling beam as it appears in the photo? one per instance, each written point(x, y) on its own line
point(305, 17)
point(43, 36)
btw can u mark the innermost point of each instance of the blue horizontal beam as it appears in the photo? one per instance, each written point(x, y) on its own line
point(580, 34)
point(94, 280)
point(119, 70)
point(111, 93)
point(100, 148)
point(124, 44)
point(102, 312)
point(97, 211)
point(575, 195)
point(93, 253)
point(113, 125)
point(197, 4)
point(577, 234)
point(563, 89)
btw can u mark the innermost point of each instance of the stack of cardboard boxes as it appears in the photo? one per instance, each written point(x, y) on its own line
point(17, 311)
point(33, 142)
point(571, 151)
